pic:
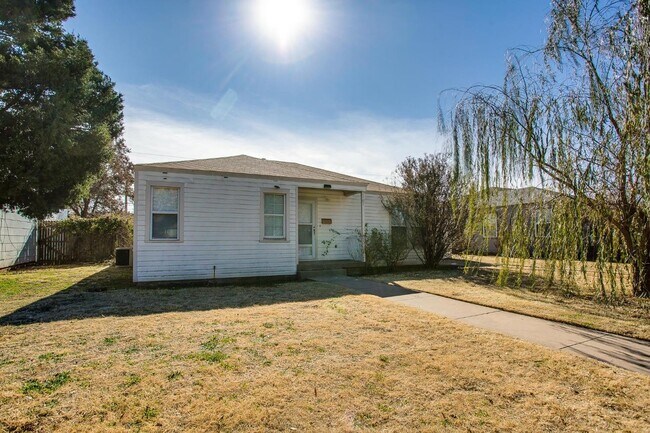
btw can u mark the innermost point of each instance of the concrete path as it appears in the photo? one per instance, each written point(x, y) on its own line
point(628, 353)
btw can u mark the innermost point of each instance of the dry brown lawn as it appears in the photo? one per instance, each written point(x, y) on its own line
point(629, 316)
point(82, 351)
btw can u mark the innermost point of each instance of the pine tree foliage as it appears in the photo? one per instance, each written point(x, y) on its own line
point(59, 114)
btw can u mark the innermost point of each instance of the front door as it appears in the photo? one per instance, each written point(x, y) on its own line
point(306, 230)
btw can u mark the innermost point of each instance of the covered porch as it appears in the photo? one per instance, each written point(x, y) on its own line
point(330, 222)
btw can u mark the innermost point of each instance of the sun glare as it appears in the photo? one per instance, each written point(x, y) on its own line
point(283, 21)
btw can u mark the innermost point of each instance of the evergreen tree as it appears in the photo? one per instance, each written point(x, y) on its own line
point(59, 114)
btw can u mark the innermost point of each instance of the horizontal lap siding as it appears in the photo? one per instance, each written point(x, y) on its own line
point(345, 213)
point(221, 227)
point(378, 217)
point(376, 214)
point(17, 239)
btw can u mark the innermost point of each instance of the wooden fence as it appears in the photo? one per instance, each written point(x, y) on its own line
point(56, 245)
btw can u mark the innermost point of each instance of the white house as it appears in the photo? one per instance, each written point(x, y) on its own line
point(241, 216)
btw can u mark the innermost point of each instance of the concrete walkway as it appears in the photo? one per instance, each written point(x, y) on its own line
point(628, 353)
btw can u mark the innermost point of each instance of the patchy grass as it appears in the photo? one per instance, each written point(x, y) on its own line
point(630, 316)
point(21, 285)
point(289, 357)
point(47, 386)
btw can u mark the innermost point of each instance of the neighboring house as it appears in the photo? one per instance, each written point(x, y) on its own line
point(241, 216)
point(504, 201)
point(18, 239)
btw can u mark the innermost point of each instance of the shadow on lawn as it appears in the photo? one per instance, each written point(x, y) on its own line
point(111, 293)
point(487, 275)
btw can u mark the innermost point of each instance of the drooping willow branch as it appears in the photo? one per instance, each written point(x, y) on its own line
point(572, 119)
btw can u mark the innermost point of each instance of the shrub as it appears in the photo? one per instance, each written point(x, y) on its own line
point(381, 247)
point(89, 239)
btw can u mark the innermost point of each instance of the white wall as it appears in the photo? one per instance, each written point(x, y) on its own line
point(376, 214)
point(221, 227)
point(17, 239)
point(345, 213)
point(378, 217)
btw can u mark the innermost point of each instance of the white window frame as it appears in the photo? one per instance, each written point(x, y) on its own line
point(484, 226)
point(398, 220)
point(149, 216)
point(285, 194)
point(542, 217)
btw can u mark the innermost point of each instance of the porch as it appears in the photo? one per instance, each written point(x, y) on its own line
point(329, 224)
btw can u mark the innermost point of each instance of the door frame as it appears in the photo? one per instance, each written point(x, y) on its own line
point(314, 243)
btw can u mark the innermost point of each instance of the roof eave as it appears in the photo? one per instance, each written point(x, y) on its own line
point(308, 182)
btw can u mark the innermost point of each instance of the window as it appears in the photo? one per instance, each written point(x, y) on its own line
point(542, 223)
point(274, 215)
point(490, 226)
point(398, 233)
point(165, 211)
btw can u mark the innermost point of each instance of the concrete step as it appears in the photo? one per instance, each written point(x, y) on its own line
point(308, 275)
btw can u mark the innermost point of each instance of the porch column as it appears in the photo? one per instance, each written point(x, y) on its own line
point(363, 226)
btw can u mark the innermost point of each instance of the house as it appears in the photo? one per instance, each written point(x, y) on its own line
point(241, 216)
point(504, 202)
point(18, 239)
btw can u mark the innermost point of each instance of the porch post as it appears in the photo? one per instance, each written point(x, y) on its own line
point(363, 227)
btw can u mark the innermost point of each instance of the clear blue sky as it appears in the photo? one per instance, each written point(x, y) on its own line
point(357, 94)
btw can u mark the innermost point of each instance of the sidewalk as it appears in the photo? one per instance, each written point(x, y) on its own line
point(624, 352)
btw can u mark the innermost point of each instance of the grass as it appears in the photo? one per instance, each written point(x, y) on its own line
point(48, 386)
point(629, 316)
point(288, 357)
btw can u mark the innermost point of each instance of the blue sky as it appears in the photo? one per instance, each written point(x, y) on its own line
point(357, 92)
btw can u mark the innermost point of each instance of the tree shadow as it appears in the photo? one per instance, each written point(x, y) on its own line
point(111, 293)
point(487, 275)
point(630, 353)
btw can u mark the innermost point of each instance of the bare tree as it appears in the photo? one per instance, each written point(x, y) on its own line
point(108, 190)
point(428, 203)
point(574, 117)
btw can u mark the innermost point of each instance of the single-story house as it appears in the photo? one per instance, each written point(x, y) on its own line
point(241, 216)
point(504, 202)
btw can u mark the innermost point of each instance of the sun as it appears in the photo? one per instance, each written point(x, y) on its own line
point(283, 21)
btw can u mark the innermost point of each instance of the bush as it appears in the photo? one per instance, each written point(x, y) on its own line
point(382, 247)
point(429, 202)
point(88, 239)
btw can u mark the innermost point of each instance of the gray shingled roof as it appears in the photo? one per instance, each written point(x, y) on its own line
point(514, 196)
point(260, 167)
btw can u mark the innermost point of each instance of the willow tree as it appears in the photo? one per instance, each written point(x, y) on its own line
point(573, 117)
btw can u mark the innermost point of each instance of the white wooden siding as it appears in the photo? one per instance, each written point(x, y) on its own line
point(378, 217)
point(17, 239)
point(376, 214)
point(221, 231)
point(345, 213)
point(222, 227)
